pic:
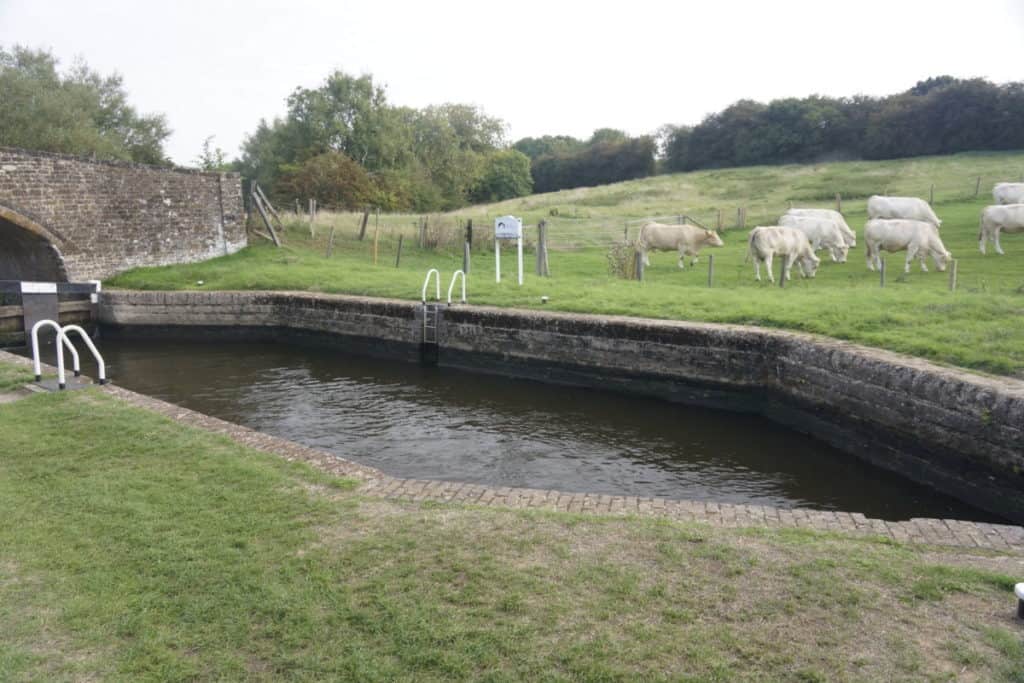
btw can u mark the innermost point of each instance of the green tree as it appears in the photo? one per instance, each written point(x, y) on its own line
point(331, 178)
point(212, 158)
point(506, 174)
point(78, 111)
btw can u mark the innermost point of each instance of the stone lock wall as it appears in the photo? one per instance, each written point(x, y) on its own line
point(956, 431)
point(98, 218)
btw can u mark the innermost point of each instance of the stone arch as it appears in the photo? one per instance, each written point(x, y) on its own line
point(28, 251)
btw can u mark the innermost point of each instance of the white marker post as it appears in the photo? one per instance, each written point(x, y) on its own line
point(507, 228)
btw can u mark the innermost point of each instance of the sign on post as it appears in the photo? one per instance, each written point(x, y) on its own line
point(508, 228)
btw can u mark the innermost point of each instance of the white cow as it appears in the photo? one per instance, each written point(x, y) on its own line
point(686, 239)
point(766, 241)
point(910, 208)
point(1008, 193)
point(850, 235)
point(919, 238)
point(998, 219)
point(823, 233)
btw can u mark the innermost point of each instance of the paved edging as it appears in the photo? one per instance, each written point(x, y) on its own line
point(953, 431)
point(376, 483)
point(942, 532)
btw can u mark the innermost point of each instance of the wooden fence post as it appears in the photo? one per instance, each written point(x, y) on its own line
point(398, 255)
point(296, 206)
point(952, 276)
point(839, 202)
point(362, 227)
point(423, 232)
point(718, 223)
point(376, 233)
point(711, 269)
point(312, 232)
point(782, 272)
point(881, 271)
point(977, 187)
point(931, 194)
point(639, 265)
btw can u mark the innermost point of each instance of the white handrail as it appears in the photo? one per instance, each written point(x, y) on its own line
point(101, 367)
point(455, 276)
point(426, 283)
point(61, 379)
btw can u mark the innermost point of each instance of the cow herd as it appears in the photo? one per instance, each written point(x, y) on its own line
point(894, 224)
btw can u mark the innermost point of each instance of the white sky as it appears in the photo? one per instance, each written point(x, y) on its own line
point(215, 67)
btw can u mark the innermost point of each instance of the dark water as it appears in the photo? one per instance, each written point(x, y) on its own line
point(412, 421)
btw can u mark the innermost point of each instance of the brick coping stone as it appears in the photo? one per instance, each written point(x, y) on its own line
point(939, 532)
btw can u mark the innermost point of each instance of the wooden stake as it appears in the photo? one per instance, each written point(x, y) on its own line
point(362, 227)
point(881, 272)
point(782, 273)
point(376, 233)
point(931, 194)
point(952, 276)
point(711, 269)
point(639, 266)
point(718, 223)
point(398, 255)
point(266, 219)
point(839, 202)
point(330, 242)
point(977, 187)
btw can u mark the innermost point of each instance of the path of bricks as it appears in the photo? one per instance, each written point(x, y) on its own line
point(943, 532)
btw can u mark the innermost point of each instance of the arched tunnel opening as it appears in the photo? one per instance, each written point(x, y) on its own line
point(25, 255)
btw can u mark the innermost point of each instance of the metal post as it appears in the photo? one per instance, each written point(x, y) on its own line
point(519, 256)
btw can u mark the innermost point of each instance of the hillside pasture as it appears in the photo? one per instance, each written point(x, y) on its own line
point(979, 326)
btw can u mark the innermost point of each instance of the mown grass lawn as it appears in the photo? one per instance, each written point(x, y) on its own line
point(133, 548)
point(979, 326)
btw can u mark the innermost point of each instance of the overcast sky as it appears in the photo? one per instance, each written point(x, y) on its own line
point(215, 67)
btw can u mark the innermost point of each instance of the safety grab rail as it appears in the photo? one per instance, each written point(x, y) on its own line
point(455, 276)
point(426, 283)
point(36, 365)
point(101, 367)
point(62, 343)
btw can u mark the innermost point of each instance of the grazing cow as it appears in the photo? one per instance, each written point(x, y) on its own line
point(766, 241)
point(686, 239)
point(823, 233)
point(998, 219)
point(919, 238)
point(1008, 193)
point(850, 235)
point(910, 208)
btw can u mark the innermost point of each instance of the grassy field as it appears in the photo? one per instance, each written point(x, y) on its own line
point(979, 326)
point(135, 549)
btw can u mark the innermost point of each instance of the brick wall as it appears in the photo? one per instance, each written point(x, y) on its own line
point(107, 217)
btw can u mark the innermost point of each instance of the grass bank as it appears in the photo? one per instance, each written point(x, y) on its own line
point(979, 326)
point(134, 548)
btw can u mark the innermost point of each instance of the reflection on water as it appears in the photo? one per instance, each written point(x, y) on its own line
point(434, 423)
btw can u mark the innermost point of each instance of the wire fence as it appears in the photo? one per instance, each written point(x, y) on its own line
point(448, 232)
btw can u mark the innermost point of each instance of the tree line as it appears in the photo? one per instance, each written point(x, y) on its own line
point(343, 144)
point(941, 115)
